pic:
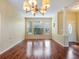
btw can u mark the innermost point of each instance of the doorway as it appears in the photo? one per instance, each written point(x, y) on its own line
point(38, 28)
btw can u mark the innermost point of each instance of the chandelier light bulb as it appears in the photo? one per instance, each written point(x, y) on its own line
point(30, 2)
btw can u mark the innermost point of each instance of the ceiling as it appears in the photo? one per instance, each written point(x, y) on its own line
point(55, 6)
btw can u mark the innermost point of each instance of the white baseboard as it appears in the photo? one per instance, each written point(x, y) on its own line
point(10, 47)
point(66, 46)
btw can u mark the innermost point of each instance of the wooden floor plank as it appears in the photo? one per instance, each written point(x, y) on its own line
point(73, 52)
point(38, 50)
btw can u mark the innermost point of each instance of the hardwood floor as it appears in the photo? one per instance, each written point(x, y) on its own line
point(73, 52)
point(35, 49)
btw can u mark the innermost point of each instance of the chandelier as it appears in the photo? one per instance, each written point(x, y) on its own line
point(31, 6)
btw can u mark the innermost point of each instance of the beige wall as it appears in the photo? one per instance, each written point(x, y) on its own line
point(0, 29)
point(60, 22)
point(71, 19)
point(78, 26)
point(58, 37)
point(11, 26)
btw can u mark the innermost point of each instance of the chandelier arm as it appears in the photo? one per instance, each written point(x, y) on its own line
point(28, 11)
point(40, 12)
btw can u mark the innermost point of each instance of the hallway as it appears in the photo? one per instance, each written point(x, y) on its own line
point(39, 29)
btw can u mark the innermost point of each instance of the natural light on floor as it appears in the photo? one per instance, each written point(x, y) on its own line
point(39, 48)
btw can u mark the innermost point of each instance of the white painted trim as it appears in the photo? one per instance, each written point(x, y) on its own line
point(62, 44)
point(59, 43)
point(39, 17)
point(66, 46)
point(10, 47)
